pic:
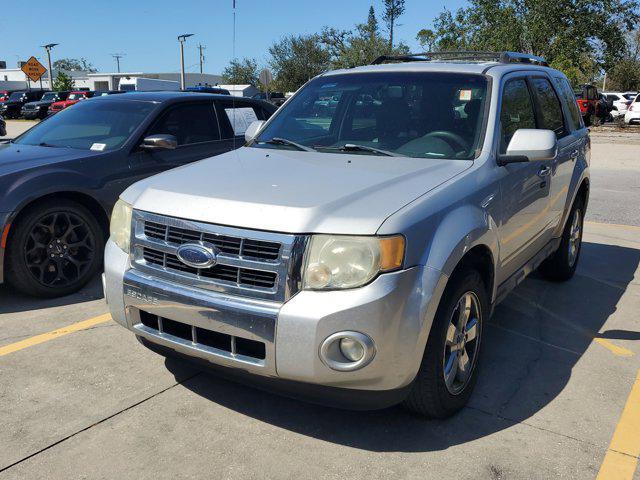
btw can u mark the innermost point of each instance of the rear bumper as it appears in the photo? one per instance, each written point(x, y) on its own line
point(633, 116)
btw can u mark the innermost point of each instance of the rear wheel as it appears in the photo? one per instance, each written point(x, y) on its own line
point(54, 250)
point(448, 371)
point(563, 263)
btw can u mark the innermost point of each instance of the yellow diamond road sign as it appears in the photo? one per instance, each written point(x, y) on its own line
point(33, 69)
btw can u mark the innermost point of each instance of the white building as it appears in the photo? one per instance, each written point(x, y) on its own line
point(15, 79)
point(241, 90)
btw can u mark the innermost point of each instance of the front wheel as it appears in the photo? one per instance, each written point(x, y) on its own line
point(449, 367)
point(54, 250)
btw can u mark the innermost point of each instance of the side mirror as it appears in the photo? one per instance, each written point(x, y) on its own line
point(252, 130)
point(530, 145)
point(159, 142)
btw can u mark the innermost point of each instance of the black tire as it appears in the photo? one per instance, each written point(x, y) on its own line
point(430, 396)
point(587, 120)
point(562, 264)
point(40, 265)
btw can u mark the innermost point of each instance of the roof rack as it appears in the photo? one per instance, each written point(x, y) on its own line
point(464, 55)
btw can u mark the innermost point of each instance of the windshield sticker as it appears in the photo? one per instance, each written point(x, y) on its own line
point(98, 147)
point(465, 95)
point(241, 118)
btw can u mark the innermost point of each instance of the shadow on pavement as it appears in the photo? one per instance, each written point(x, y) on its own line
point(12, 301)
point(531, 344)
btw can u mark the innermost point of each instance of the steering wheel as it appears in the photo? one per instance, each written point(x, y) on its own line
point(451, 138)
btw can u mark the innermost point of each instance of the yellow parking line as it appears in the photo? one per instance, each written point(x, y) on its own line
point(45, 337)
point(613, 348)
point(629, 227)
point(621, 460)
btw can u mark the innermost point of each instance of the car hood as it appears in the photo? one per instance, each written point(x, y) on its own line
point(14, 158)
point(293, 191)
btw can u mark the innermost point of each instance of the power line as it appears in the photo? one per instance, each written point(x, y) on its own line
point(201, 48)
point(117, 57)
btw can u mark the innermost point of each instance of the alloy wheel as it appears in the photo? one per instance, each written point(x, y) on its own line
point(462, 343)
point(59, 250)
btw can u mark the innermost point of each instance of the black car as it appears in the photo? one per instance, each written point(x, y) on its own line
point(277, 98)
point(60, 179)
point(33, 110)
point(3, 127)
point(12, 108)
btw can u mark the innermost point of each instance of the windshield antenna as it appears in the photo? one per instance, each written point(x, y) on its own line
point(233, 97)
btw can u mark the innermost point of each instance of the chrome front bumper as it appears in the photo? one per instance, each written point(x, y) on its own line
point(395, 310)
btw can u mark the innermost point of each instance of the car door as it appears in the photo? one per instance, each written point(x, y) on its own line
point(235, 116)
point(195, 127)
point(524, 187)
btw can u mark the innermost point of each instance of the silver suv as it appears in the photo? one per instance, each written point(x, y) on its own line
point(353, 250)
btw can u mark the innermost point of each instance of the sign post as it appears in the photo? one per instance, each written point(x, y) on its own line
point(33, 69)
point(266, 78)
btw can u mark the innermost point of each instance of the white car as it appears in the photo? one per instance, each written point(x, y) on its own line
point(633, 112)
point(619, 102)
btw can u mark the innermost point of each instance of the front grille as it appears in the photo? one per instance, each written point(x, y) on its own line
point(204, 337)
point(232, 245)
point(223, 273)
point(249, 262)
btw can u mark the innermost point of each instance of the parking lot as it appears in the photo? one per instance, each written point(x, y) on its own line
point(558, 394)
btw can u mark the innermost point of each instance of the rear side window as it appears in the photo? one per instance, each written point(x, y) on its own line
point(549, 109)
point(190, 123)
point(566, 93)
point(235, 117)
point(516, 111)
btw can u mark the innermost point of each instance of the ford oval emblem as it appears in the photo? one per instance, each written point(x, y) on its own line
point(196, 255)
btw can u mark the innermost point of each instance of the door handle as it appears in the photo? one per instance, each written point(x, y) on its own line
point(544, 172)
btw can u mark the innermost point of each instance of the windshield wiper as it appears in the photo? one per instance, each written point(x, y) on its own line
point(284, 141)
point(45, 144)
point(352, 147)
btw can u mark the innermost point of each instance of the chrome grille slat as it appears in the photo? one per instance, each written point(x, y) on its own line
point(250, 263)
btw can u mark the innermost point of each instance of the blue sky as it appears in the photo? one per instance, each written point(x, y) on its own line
point(146, 30)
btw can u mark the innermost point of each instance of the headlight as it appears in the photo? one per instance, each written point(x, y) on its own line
point(120, 228)
point(336, 262)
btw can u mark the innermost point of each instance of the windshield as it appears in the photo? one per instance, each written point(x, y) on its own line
point(15, 96)
point(101, 126)
point(75, 96)
point(47, 97)
point(425, 115)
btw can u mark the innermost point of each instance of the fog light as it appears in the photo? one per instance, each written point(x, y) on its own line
point(351, 349)
point(347, 351)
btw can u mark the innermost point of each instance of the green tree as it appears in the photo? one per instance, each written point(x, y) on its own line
point(393, 9)
point(625, 74)
point(296, 59)
point(427, 39)
point(241, 72)
point(360, 46)
point(63, 82)
point(74, 64)
point(563, 31)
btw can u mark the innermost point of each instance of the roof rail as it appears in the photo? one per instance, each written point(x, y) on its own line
point(462, 55)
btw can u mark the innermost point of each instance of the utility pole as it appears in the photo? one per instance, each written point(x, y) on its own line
point(117, 57)
point(182, 38)
point(201, 48)
point(48, 48)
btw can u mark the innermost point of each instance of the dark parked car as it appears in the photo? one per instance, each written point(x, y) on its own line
point(60, 179)
point(12, 107)
point(3, 127)
point(33, 110)
point(277, 98)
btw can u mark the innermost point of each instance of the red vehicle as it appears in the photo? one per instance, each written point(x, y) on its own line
point(588, 98)
point(73, 98)
point(4, 95)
